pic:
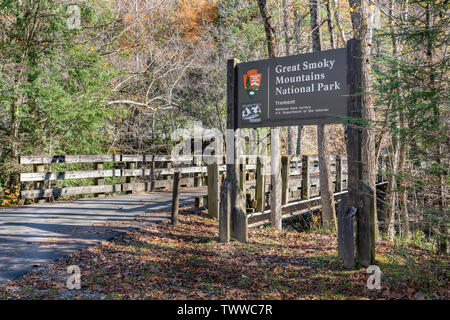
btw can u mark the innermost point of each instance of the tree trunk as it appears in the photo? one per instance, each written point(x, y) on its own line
point(330, 24)
point(338, 22)
point(326, 186)
point(366, 214)
point(403, 192)
point(390, 193)
point(316, 35)
point(268, 27)
point(443, 207)
point(292, 131)
point(287, 39)
point(298, 39)
point(291, 143)
point(15, 124)
point(326, 191)
point(441, 219)
point(276, 192)
point(136, 35)
point(275, 197)
point(393, 163)
point(299, 140)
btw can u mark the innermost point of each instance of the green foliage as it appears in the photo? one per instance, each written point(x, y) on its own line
point(415, 82)
point(53, 81)
point(411, 88)
point(241, 30)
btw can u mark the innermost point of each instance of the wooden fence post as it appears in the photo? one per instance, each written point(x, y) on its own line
point(341, 208)
point(242, 176)
point(285, 165)
point(175, 197)
point(305, 177)
point(346, 236)
point(200, 201)
point(152, 175)
point(213, 190)
point(39, 184)
point(130, 180)
point(338, 173)
point(369, 205)
point(99, 181)
point(239, 220)
point(225, 211)
point(260, 181)
point(168, 165)
point(198, 176)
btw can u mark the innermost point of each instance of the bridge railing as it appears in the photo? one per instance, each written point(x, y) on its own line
point(301, 187)
point(141, 173)
point(300, 182)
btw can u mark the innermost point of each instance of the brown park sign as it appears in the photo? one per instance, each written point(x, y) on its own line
point(295, 90)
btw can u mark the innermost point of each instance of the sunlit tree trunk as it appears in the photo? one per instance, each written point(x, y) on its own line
point(292, 131)
point(393, 157)
point(275, 150)
point(326, 192)
point(268, 27)
point(338, 22)
point(441, 219)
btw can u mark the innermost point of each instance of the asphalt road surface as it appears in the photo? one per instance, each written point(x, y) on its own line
point(35, 235)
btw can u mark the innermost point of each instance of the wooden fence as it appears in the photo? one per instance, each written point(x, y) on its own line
point(300, 179)
point(155, 170)
point(300, 186)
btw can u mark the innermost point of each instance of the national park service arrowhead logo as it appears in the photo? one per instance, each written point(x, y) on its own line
point(252, 82)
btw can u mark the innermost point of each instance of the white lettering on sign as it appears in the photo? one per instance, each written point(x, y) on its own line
point(306, 65)
point(281, 79)
point(300, 78)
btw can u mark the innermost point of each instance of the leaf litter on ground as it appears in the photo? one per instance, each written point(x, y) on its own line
point(187, 261)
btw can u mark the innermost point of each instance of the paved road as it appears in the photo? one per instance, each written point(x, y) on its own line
point(31, 236)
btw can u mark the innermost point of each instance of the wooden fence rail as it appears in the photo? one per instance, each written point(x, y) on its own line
point(139, 173)
point(155, 168)
point(158, 171)
point(300, 187)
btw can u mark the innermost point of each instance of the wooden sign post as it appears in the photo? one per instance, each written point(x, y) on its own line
point(365, 215)
point(232, 216)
